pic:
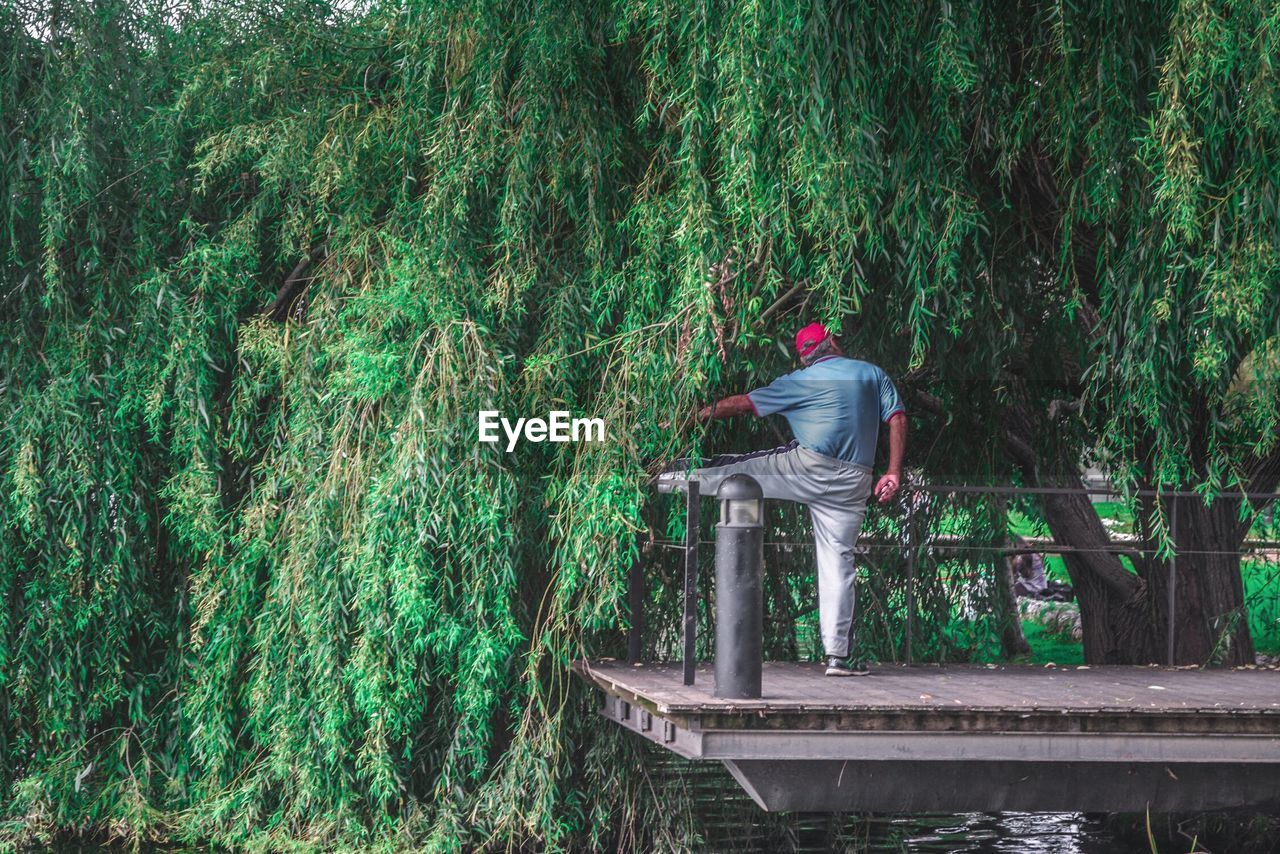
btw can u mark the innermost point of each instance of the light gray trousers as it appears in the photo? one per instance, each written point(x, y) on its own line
point(836, 493)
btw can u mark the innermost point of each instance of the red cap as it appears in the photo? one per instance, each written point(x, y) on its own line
point(808, 339)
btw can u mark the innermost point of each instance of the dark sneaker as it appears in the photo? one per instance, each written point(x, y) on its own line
point(846, 667)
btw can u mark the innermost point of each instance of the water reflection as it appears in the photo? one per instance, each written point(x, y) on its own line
point(1023, 833)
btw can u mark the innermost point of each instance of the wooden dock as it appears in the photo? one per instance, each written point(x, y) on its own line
point(969, 737)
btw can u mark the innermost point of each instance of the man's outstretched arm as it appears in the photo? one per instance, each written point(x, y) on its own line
point(738, 404)
point(888, 485)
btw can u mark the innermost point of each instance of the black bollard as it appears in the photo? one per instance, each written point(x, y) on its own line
point(739, 588)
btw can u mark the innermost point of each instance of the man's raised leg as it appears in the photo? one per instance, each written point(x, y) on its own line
point(779, 472)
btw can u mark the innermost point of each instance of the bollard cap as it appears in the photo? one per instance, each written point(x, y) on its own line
point(739, 487)
point(741, 502)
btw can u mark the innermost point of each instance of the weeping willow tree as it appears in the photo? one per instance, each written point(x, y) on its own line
point(265, 262)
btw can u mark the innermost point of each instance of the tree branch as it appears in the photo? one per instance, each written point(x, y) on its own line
point(782, 300)
point(293, 286)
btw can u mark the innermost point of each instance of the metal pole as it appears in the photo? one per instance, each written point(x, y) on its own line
point(739, 588)
point(1173, 582)
point(691, 581)
point(971, 489)
point(635, 603)
point(911, 581)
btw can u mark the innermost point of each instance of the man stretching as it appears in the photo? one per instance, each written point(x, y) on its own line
point(834, 406)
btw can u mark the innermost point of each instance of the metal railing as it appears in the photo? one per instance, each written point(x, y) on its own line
point(911, 545)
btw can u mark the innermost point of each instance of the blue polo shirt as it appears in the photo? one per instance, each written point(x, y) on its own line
point(834, 406)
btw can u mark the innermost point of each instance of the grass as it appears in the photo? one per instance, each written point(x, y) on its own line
point(1262, 598)
point(1115, 515)
point(1051, 648)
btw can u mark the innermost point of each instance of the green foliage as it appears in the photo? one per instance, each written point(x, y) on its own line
point(263, 586)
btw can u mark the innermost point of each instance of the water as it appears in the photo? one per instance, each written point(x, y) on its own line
point(978, 833)
point(1042, 833)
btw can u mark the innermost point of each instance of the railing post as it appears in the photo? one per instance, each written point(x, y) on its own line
point(635, 604)
point(1173, 583)
point(911, 578)
point(691, 535)
point(739, 588)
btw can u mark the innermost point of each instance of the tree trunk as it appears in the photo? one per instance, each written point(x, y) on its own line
point(1125, 618)
point(1124, 614)
point(1116, 619)
point(1013, 643)
point(1211, 623)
